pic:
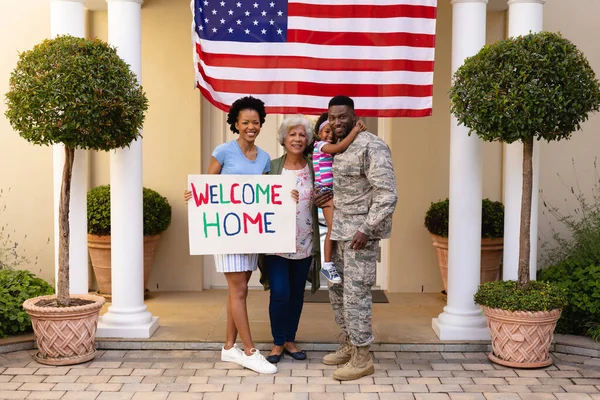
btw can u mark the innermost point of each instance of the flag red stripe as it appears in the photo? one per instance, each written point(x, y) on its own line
point(361, 38)
point(312, 88)
point(316, 111)
point(360, 11)
point(319, 64)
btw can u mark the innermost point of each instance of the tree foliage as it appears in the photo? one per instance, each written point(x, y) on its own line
point(157, 211)
point(492, 218)
point(75, 91)
point(539, 85)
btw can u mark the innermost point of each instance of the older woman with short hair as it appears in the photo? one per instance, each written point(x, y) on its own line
point(286, 273)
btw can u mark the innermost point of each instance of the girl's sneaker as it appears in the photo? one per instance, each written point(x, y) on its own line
point(258, 363)
point(233, 355)
point(330, 273)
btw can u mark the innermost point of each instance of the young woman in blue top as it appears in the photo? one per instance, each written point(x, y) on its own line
point(241, 156)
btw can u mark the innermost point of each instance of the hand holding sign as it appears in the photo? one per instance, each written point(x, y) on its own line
point(236, 213)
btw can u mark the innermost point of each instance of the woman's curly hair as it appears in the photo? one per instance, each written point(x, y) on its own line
point(245, 103)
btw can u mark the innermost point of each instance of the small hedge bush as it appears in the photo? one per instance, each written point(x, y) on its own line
point(16, 286)
point(540, 296)
point(492, 218)
point(157, 211)
point(582, 285)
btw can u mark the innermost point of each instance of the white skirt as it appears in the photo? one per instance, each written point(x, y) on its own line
point(236, 262)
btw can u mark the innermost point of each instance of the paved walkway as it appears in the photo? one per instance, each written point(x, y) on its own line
point(187, 374)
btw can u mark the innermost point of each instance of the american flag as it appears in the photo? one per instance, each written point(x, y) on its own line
point(297, 54)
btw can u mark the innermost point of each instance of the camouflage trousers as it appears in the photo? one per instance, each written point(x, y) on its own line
point(351, 300)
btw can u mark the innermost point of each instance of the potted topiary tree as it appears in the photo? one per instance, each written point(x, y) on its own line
point(492, 237)
point(532, 87)
point(77, 92)
point(157, 218)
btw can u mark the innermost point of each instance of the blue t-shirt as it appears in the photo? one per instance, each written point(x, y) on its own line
point(234, 162)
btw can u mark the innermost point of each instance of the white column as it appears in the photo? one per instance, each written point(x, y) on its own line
point(462, 318)
point(127, 317)
point(524, 16)
point(67, 18)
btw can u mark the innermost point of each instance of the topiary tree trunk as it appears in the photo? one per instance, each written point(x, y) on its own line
point(525, 228)
point(64, 230)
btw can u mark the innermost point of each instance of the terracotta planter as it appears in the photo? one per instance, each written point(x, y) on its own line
point(491, 258)
point(521, 339)
point(99, 249)
point(65, 335)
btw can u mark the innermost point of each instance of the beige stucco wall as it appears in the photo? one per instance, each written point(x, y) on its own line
point(24, 168)
point(580, 25)
point(421, 156)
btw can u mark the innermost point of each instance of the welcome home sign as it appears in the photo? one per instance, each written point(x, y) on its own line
point(241, 214)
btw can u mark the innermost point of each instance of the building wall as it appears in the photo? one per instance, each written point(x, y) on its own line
point(571, 161)
point(25, 169)
point(173, 131)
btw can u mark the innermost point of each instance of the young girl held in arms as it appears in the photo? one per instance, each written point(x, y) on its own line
point(324, 150)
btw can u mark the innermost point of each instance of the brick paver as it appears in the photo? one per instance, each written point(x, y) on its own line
point(201, 375)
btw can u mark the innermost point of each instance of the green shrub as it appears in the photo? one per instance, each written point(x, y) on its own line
point(157, 211)
point(582, 285)
point(16, 286)
point(581, 245)
point(573, 260)
point(492, 218)
point(594, 332)
point(540, 296)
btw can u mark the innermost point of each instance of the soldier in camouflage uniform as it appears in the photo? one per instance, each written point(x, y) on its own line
point(364, 199)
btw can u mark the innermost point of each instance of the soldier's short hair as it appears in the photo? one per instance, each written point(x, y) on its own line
point(292, 122)
point(341, 101)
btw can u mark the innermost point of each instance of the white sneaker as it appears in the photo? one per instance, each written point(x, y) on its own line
point(258, 363)
point(233, 355)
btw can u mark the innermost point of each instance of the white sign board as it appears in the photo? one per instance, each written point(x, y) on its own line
point(241, 214)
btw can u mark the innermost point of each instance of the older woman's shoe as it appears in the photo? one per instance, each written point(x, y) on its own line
point(297, 355)
point(274, 358)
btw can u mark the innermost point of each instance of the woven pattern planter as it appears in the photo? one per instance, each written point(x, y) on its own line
point(64, 335)
point(521, 339)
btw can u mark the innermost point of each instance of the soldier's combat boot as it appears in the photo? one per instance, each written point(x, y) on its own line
point(359, 365)
point(341, 356)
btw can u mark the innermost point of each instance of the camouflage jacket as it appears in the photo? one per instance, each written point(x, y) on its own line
point(364, 189)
